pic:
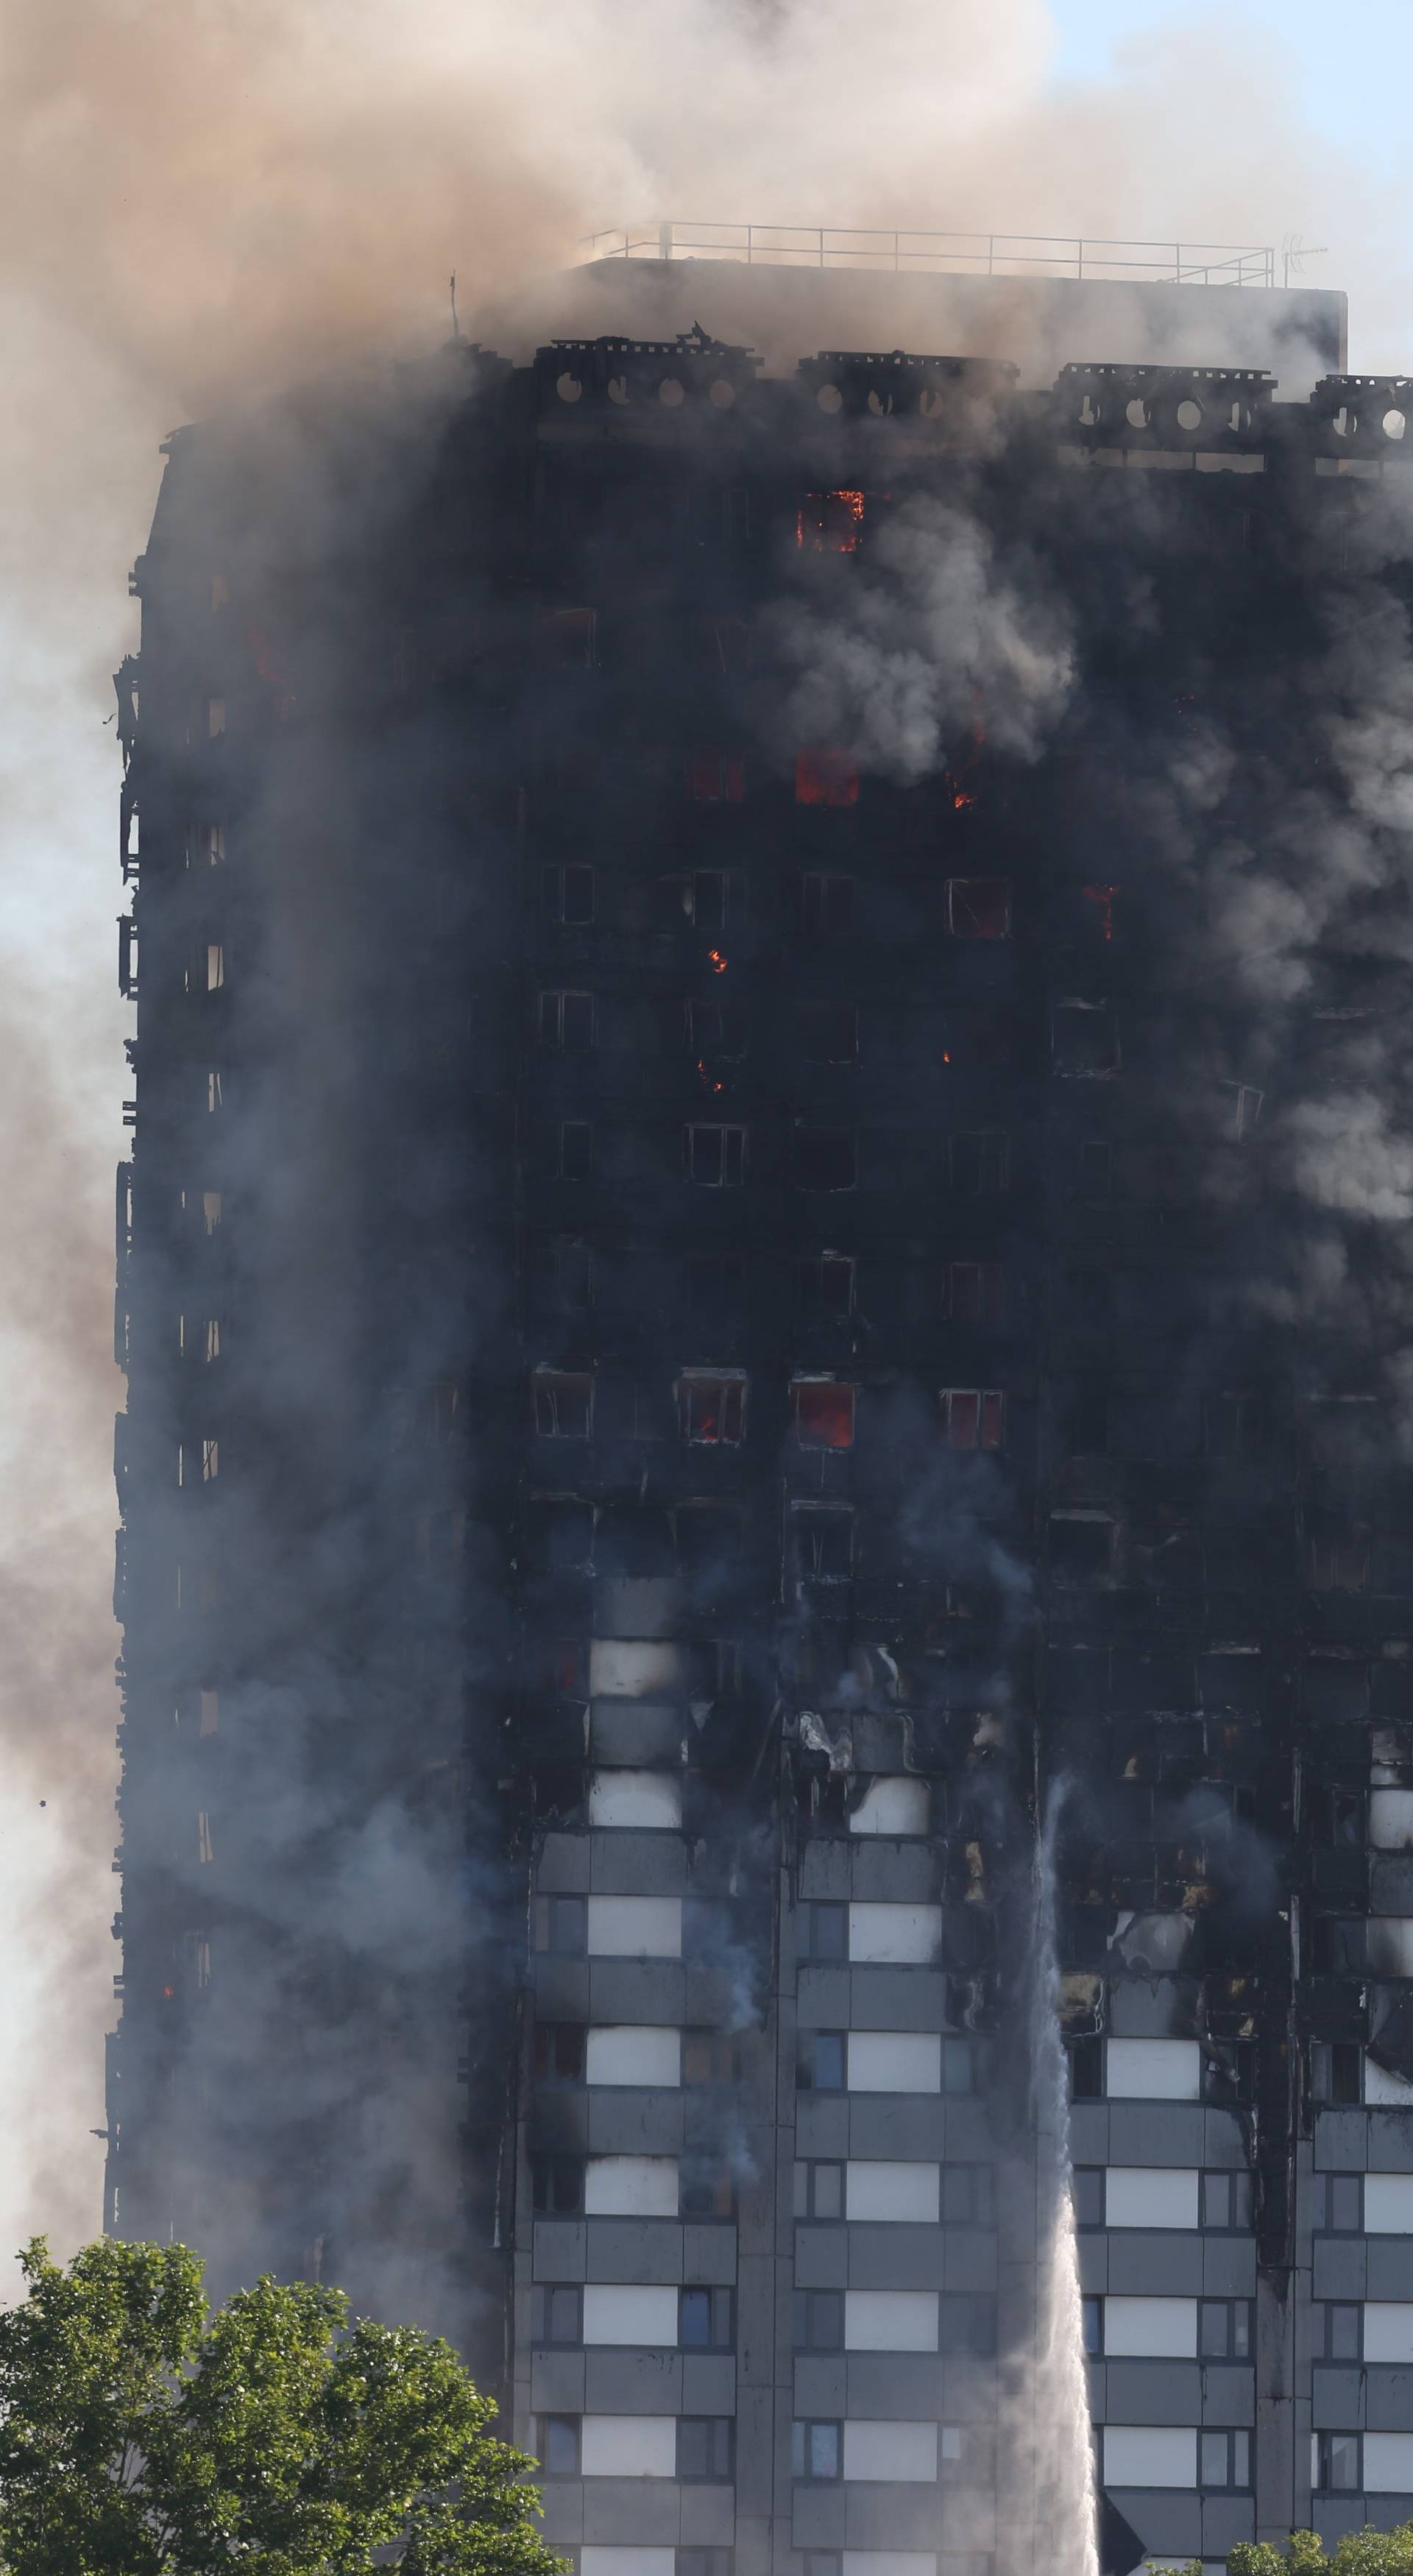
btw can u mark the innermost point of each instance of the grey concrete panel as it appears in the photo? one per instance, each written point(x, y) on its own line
point(714, 1991)
point(821, 2384)
point(755, 2319)
point(1155, 2266)
point(822, 2125)
point(637, 1990)
point(1391, 2141)
point(896, 2258)
point(1153, 2392)
point(894, 2386)
point(557, 2383)
point(635, 1732)
point(822, 1998)
point(887, 2517)
point(1333, 2516)
point(902, 2125)
point(644, 2512)
point(1337, 2398)
point(1391, 1884)
point(708, 2517)
point(1228, 2393)
point(821, 2257)
point(1089, 2133)
point(1229, 2267)
point(563, 1865)
point(889, 1873)
point(1093, 2251)
point(561, 1989)
point(825, 1868)
point(561, 2120)
point(709, 2252)
point(622, 2122)
point(623, 2379)
point(817, 2517)
point(560, 2246)
point(1225, 2521)
point(1156, 2133)
point(756, 2448)
point(636, 1605)
point(969, 2392)
point(1339, 2267)
point(1165, 2518)
point(634, 2249)
point(973, 2258)
point(1390, 2267)
point(624, 1862)
point(969, 2137)
point(563, 2501)
point(897, 1999)
point(708, 2383)
point(1146, 2007)
point(1388, 2398)
point(1097, 2379)
point(1225, 2140)
point(1341, 2141)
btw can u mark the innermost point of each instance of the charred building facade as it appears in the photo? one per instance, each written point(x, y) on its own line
point(765, 1217)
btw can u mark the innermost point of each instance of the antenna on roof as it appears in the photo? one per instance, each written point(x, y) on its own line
point(455, 325)
point(1294, 254)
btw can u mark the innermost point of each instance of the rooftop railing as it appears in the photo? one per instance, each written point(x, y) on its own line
point(1174, 263)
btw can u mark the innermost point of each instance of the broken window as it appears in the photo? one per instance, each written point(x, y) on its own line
point(711, 1407)
point(561, 1926)
point(822, 1542)
point(714, 900)
point(826, 1158)
point(635, 1541)
point(825, 777)
point(204, 1848)
point(1099, 909)
point(713, 1284)
point(1337, 1559)
point(975, 1041)
point(209, 1712)
point(716, 777)
point(709, 2057)
point(559, 2052)
point(709, 1537)
point(829, 1033)
point(979, 907)
point(571, 1273)
point(973, 1417)
point(210, 1461)
point(557, 2191)
point(822, 1413)
point(568, 895)
point(569, 637)
point(1084, 1041)
point(826, 904)
point(1242, 1105)
point(210, 844)
point(825, 1284)
point(830, 523)
point(567, 1022)
point(979, 1164)
point(564, 1404)
point(715, 1030)
point(215, 966)
point(213, 1090)
point(560, 1535)
point(1081, 1548)
point(716, 1156)
point(973, 1292)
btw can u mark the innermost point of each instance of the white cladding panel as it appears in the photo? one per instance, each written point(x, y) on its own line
point(905, 1936)
point(650, 1800)
point(1391, 1819)
point(1381, 2086)
point(891, 1807)
point(1154, 2070)
point(635, 1927)
point(634, 1669)
point(633, 2053)
point(890, 2562)
point(1151, 2196)
point(1390, 1944)
point(1388, 2464)
point(1150, 2455)
point(1388, 2204)
point(626, 2312)
point(895, 2061)
point(1388, 2330)
point(890, 2320)
point(594, 2561)
point(903, 2453)
point(630, 2187)
point(1160, 2327)
point(628, 2446)
point(879, 2191)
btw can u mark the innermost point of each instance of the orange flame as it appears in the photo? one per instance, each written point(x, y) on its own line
point(716, 961)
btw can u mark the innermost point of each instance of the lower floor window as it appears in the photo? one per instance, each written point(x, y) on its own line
point(1224, 2459)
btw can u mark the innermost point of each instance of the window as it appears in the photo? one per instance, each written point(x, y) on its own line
point(204, 1848)
point(569, 895)
point(1092, 2318)
point(830, 523)
point(826, 904)
point(816, 2449)
point(979, 907)
point(213, 1092)
point(711, 1407)
point(211, 1209)
point(826, 1158)
point(559, 2052)
point(555, 2314)
point(1086, 2070)
point(564, 1404)
point(1338, 2203)
point(1226, 2200)
point(570, 1273)
point(716, 1156)
point(966, 2325)
point(209, 1707)
point(968, 2196)
point(819, 2321)
point(1081, 1548)
point(1224, 2459)
point(822, 1413)
point(1087, 2193)
point(716, 1031)
point(819, 2190)
point(557, 2445)
point(1336, 2466)
point(696, 2562)
point(821, 2061)
point(215, 967)
point(215, 717)
point(825, 1285)
point(829, 1033)
point(706, 2320)
point(822, 1541)
point(709, 1538)
point(972, 1292)
point(1084, 1041)
point(706, 2447)
point(567, 1022)
point(568, 637)
point(1335, 2069)
point(196, 1959)
point(715, 900)
point(1343, 2338)
point(709, 2057)
point(715, 777)
point(556, 2185)
point(210, 1461)
point(979, 1164)
point(708, 2191)
point(1098, 915)
point(561, 1926)
point(211, 1338)
point(574, 1156)
point(973, 1417)
point(826, 777)
point(1224, 2330)
point(822, 1932)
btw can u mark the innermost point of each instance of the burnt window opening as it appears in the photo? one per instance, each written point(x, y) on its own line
point(1339, 1945)
point(559, 2052)
point(707, 2191)
point(567, 1022)
point(1335, 1816)
point(561, 1925)
point(1098, 913)
point(1241, 1107)
point(569, 638)
point(826, 904)
point(979, 1163)
point(715, 1157)
point(979, 907)
point(570, 1274)
point(1084, 1041)
point(1337, 1560)
point(556, 2314)
point(574, 1150)
point(715, 1281)
point(826, 1158)
point(563, 1403)
point(560, 1535)
point(714, 901)
point(558, 1665)
point(1081, 1549)
point(822, 1413)
point(634, 1542)
point(1336, 2072)
point(820, 2062)
point(824, 776)
point(1086, 2070)
point(825, 1284)
point(822, 1542)
point(973, 1417)
point(569, 895)
point(711, 1407)
point(710, 2057)
point(829, 1033)
point(706, 2320)
point(710, 1538)
point(716, 1031)
point(819, 2321)
point(973, 1292)
point(724, 644)
point(716, 777)
point(830, 523)
point(976, 1041)
point(1084, 1417)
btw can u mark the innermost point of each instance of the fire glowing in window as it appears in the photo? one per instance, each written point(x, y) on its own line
point(973, 1417)
point(716, 777)
point(711, 1409)
point(826, 778)
point(1101, 900)
point(961, 781)
point(822, 1413)
point(979, 907)
point(830, 523)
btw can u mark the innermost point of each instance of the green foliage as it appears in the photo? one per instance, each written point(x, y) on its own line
point(140, 2436)
point(1359, 2553)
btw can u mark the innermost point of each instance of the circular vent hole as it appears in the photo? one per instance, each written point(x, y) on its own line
point(829, 398)
point(1394, 424)
point(568, 388)
point(1189, 414)
point(1345, 422)
point(618, 389)
point(670, 392)
point(1136, 414)
point(722, 392)
point(879, 404)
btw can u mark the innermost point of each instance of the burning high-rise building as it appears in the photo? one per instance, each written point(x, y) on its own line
point(766, 1216)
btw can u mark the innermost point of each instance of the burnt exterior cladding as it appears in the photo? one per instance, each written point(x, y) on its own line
point(684, 1285)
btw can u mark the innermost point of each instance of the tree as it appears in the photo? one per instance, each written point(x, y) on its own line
point(142, 2436)
point(1359, 2553)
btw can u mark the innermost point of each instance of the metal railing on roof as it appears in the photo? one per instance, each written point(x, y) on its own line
point(1074, 255)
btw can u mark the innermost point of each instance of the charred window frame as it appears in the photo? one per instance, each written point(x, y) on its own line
point(819, 2321)
point(830, 523)
point(1084, 1041)
point(822, 1542)
point(826, 775)
point(825, 1284)
point(979, 907)
point(711, 1407)
point(715, 1156)
point(974, 1292)
point(563, 1402)
point(715, 777)
point(556, 2314)
point(714, 900)
point(826, 903)
point(822, 1412)
point(710, 1537)
point(556, 2186)
point(569, 895)
point(979, 1163)
point(972, 1417)
point(558, 2052)
point(1082, 1549)
point(818, 2189)
point(706, 2320)
point(567, 1021)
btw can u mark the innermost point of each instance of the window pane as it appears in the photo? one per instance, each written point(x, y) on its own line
point(1213, 2460)
point(1213, 2329)
point(1343, 2332)
point(828, 2191)
point(695, 2317)
point(824, 2450)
